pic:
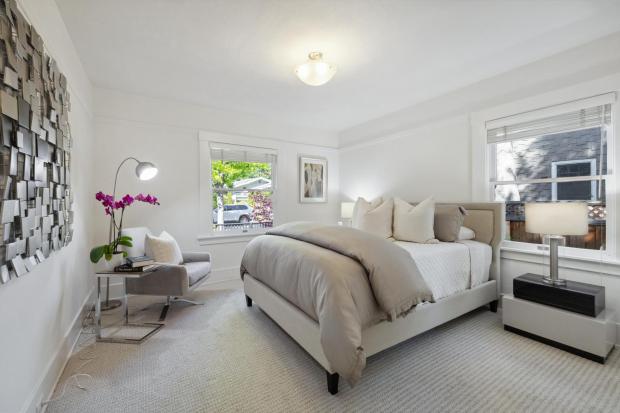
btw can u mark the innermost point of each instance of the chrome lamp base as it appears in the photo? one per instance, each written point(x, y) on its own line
point(554, 281)
point(554, 242)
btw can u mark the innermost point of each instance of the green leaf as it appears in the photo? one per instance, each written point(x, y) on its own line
point(108, 257)
point(125, 238)
point(125, 254)
point(125, 243)
point(96, 253)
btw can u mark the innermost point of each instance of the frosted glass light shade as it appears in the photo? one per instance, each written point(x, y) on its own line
point(315, 72)
point(557, 218)
point(346, 210)
point(146, 171)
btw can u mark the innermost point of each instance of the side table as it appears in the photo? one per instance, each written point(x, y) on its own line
point(119, 335)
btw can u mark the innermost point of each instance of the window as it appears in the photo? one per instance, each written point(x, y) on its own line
point(242, 187)
point(570, 191)
point(562, 156)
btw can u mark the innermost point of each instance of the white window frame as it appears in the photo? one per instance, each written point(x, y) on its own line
point(206, 234)
point(482, 158)
point(554, 174)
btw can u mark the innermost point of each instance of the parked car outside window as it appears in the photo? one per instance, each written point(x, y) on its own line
point(241, 213)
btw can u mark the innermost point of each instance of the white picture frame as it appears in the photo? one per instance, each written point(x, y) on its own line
point(312, 179)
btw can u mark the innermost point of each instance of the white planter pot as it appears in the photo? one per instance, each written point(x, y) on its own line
point(104, 265)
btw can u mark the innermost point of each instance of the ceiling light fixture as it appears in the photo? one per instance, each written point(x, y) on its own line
point(315, 72)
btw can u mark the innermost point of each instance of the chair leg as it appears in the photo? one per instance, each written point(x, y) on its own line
point(164, 311)
point(185, 300)
point(248, 301)
point(493, 306)
point(332, 382)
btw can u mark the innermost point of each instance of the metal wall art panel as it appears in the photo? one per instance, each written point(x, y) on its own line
point(36, 214)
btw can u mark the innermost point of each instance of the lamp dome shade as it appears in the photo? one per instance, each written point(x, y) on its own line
point(346, 210)
point(557, 218)
point(146, 171)
point(315, 72)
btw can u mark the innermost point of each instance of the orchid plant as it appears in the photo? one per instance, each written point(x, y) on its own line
point(115, 209)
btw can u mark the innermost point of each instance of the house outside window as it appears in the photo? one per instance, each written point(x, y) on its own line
point(242, 188)
point(571, 191)
point(551, 158)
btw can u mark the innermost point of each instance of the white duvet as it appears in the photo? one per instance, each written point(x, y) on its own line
point(450, 267)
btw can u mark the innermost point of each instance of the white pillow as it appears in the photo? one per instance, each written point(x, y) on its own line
point(374, 217)
point(414, 223)
point(466, 233)
point(163, 249)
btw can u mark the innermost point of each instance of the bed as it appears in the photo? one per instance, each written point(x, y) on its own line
point(461, 277)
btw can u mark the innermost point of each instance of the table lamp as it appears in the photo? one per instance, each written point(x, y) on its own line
point(346, 210)
point(555, 220)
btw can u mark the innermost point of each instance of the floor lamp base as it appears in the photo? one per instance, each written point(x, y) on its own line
point(110, 305)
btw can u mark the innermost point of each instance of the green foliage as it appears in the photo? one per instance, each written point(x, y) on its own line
point(225, 173)
point(107, 250)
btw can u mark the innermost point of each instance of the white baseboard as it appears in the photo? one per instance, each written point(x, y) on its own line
point(44, 388)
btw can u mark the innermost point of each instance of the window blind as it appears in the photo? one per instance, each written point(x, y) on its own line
point(590, 117)
point(227, 152)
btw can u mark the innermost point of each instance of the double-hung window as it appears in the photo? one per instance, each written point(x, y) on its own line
point(242, 187)
point(554, 154)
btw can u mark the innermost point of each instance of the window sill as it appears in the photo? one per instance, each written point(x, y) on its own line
point(603, 265)
point(234, 238)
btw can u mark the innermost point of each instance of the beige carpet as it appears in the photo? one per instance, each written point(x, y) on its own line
point(226, 357)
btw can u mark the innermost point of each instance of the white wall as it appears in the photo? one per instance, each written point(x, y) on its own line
point(166, 133)
point(430, 160)
point(40, 311)
point(427, 149)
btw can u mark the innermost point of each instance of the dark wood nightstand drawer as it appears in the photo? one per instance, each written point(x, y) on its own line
point(577, 297)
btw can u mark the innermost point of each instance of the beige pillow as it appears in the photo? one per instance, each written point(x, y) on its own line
point(414, 223)
point(448, 222)
point(374, 217)
point(163, 249)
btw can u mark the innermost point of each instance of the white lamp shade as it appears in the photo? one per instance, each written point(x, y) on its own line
point(346, 210)
point(558, 218)
point(146, 171)
point(315, 72)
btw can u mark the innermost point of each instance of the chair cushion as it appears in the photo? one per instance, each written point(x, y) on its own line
point(137, 235)
point(196, 271)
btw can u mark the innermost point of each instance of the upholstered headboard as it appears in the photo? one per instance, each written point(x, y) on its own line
point(487, 220)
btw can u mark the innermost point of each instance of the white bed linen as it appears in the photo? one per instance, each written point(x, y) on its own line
point(450, 267)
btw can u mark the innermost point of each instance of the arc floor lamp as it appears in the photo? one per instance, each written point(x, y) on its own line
point(144, 171)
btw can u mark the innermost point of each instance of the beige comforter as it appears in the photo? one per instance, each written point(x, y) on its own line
point(343, 278)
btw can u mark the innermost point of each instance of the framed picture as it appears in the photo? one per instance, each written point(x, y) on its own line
point(312, 179)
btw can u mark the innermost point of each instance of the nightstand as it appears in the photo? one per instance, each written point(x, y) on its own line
point(589, 337)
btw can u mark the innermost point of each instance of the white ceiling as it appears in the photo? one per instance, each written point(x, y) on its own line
point(239, 55)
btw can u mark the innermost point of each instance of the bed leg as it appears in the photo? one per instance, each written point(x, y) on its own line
point(332, 382)
point(248, 301)
point(493, 306)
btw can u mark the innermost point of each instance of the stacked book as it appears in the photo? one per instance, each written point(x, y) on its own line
point(137, 264)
